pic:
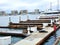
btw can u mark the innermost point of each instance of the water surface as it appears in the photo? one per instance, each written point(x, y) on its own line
point(14, 39)
point(52, 38)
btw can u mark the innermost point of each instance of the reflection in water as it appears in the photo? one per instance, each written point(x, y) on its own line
point(55, 37)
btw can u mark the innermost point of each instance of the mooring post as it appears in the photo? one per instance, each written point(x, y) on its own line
point(19, 18)
point(9, 19)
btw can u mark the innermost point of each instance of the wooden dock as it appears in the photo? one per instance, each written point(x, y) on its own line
point(36, 38)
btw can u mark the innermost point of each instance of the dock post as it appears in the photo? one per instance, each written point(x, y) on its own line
point(9, 19)
point(57, 5)
point(27, 17)
point(19, 18)
point(28, 30)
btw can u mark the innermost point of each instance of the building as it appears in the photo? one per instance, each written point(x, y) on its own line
point(14, 12)
point(36, 11)
point(23, 12)
point(2, 13)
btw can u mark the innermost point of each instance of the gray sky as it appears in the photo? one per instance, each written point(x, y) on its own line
point(30, 5)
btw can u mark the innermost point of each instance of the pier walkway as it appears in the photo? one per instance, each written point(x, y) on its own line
point(36, 38)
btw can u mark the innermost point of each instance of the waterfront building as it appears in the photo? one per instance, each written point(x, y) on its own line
point(2, 13)
point(31, 12)
point(14, 12)
point(36, 11)
point(23, 12)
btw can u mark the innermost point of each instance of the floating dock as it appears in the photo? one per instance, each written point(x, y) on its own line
point(36, 38)
point(12, 33)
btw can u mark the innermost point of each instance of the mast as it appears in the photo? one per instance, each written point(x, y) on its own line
point(57, 5)
point(27, 17)
point(51, 6)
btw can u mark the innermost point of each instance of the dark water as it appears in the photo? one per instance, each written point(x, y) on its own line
point(16, 39)
point(52, 38)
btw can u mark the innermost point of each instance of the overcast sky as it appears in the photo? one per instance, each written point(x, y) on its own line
point(30, 5)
